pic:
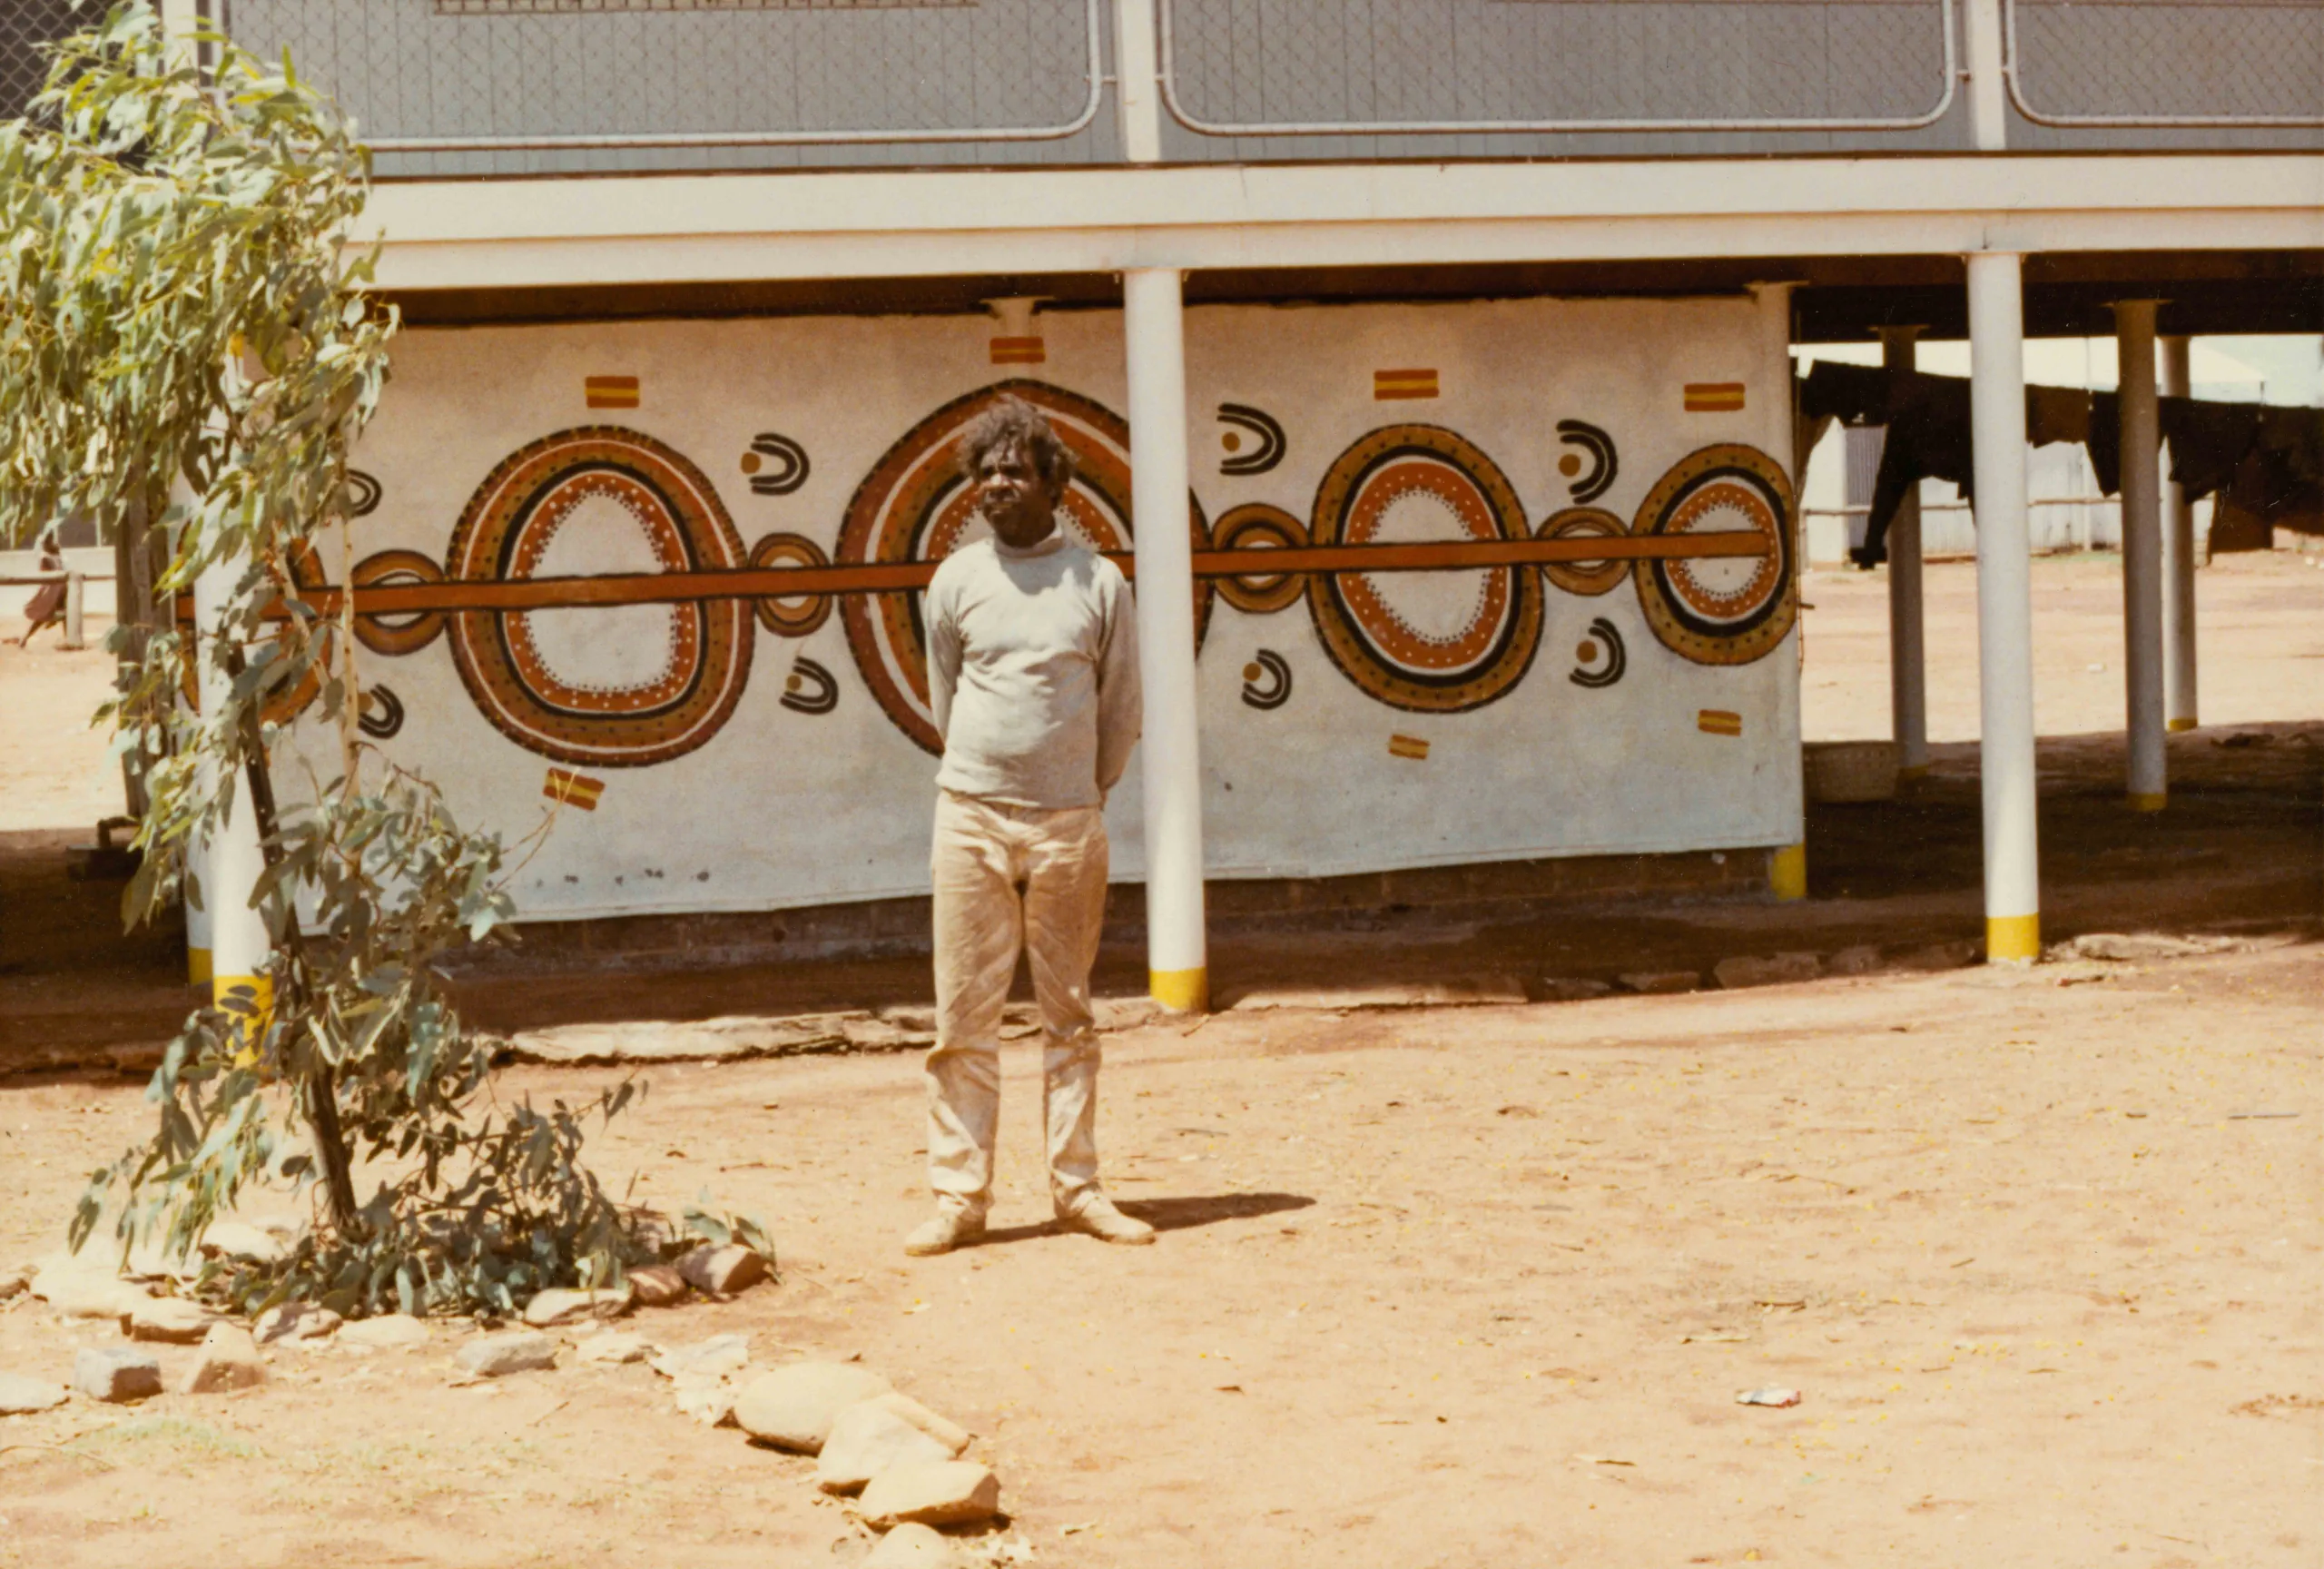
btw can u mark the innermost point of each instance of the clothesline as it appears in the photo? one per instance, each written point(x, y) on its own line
point(2264, 461)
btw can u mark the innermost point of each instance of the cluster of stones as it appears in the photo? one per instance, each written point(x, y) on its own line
point(901, 1463)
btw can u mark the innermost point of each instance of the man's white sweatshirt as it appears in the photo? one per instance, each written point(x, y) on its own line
point(1032, 673)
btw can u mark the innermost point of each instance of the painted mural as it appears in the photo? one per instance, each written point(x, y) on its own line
point(1411, 510)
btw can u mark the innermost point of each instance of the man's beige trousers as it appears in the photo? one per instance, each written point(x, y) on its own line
point(983, 853)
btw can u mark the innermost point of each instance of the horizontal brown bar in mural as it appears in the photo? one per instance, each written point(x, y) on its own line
point(905, 577)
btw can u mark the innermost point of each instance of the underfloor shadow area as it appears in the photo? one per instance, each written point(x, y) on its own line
point(2240, 847)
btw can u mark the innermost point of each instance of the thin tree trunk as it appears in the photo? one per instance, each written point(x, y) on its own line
point(321, 1088)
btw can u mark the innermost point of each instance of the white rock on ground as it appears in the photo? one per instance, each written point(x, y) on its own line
point(658, 1285)
point(867, 1439)
point(709, 1401)
point(1861, 959)
point(2130, 947)
point(1766, 970)
point(20, 1396)
point(512, 1351)
point(940, 1492)
point(950, 1434)
point(559, 1305)
point(229, 1359)
point(172, 1319)
point(912, 1546)
point(84, 1287)
point(295, 1321)
point(793, 1407)
point(614, 1348)
point(241, 1239)
point(115, 1373)
point(713, 1358)
point(722, 1270)
point(390, 1331)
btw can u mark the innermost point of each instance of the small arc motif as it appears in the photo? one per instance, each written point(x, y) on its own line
point(1604, 462)
point(1259, 423)
point(1266, 681)
point(810, 688)
point(382, 714)
point(1604, 658)
point(788, 460)
point(362, 494)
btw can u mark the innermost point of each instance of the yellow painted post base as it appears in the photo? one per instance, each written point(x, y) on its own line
point(1788, 872)
point(248, 1001)
point(1180, 990)
point(2013, 938)
point(2184, 724)
point(197, 966)
point(2155, 802)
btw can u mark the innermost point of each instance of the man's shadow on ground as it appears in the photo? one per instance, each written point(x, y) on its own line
point(1168, 1214)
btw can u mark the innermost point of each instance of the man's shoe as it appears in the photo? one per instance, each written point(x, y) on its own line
point(943, 1232)
point(1097, 1216)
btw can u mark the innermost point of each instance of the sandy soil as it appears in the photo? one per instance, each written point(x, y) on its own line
point(1437, 1286)
point(1449, 1288)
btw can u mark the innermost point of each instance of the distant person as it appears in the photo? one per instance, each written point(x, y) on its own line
point(46, 606)
point(1033, 675)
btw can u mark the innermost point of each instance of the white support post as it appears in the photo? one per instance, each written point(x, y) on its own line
point(1137, 81)
point(76, 596)
point(2178, 696)
point(2005, 608)
point(239, 939)
point(1787, 863)
point(1908, 641)
point(2147, 783)
point(1154, 320)
point(1980, 26)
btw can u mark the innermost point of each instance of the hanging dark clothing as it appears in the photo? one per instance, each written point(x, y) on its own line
point(1928, 422)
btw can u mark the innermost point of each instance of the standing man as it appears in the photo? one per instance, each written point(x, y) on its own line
point(1033, 675)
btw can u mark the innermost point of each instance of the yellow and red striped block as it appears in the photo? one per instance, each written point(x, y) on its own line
point(570, 789)
point(1714, 397)
point(1718, 722)
point(1390, 386)
point(1411, 746)
point(610, 391)
point(1019, 352)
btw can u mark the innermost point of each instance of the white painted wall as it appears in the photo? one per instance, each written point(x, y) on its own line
point(783, 808)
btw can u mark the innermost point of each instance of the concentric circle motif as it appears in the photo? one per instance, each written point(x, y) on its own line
point(790, 615)
point(616, 687)
point(1584, 577)
point(288, 703)
point(1257, 528)
point(1720, 610)
point(916, 506)
point(408, 633)
point(1438, 642)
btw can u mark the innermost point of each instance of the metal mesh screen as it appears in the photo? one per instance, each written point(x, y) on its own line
point(2159, 61)
point(24, 26)
point(1262, 66)
point(614, 74)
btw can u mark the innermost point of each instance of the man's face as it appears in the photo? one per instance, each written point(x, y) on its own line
point(1014, 499)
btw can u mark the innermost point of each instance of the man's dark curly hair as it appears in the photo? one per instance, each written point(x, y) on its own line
point(1013, 423)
